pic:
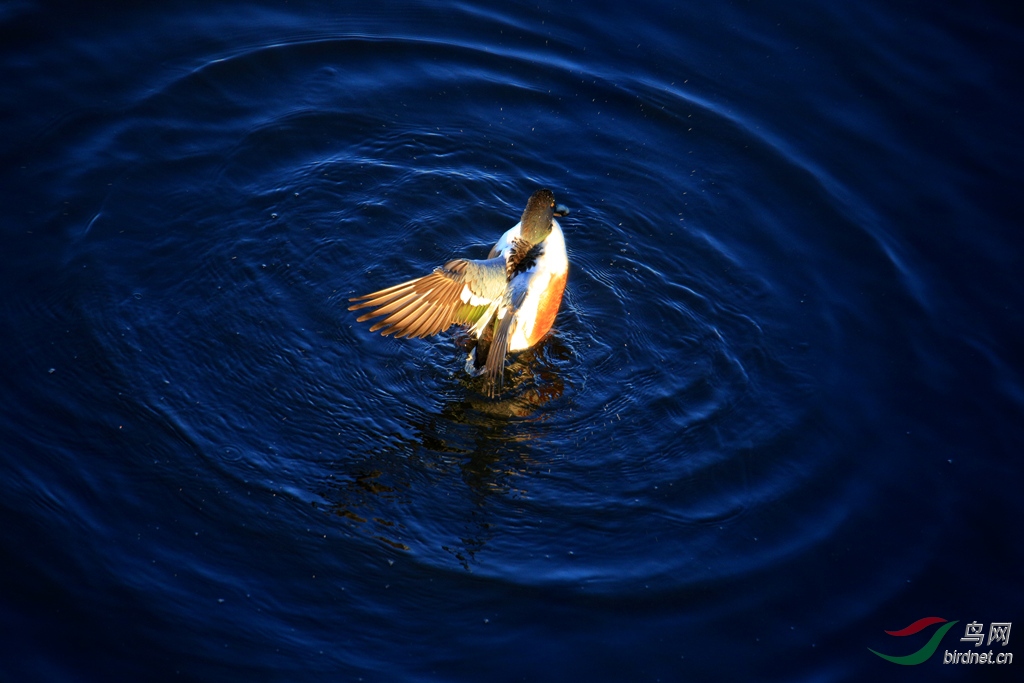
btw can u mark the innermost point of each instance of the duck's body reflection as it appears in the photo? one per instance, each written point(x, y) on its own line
point(487, 443)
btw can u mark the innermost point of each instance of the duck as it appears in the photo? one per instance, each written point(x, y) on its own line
point(507, 301)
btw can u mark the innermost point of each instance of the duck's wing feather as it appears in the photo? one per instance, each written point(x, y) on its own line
point(511, 303)
point(461, 291)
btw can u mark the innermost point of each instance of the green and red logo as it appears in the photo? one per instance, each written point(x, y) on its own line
point(928, 649)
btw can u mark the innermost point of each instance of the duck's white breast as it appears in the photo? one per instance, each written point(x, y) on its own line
point(547, 273)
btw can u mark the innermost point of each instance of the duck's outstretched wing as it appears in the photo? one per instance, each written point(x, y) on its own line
point(460, 291)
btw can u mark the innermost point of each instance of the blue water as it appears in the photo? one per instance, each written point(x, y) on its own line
point(781, 410)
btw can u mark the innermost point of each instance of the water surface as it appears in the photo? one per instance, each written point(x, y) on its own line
point(779, 412)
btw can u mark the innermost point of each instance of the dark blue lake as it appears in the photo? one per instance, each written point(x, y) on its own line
point(780, 413)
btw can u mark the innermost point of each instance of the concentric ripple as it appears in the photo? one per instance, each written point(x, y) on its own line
point(674, 433)
point(666, 400)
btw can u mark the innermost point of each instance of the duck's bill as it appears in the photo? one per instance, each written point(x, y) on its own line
point(561, 210)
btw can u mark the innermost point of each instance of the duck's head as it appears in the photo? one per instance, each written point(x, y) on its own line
point(537, 217)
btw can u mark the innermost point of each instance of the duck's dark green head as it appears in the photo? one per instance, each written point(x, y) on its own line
point(537, 217)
